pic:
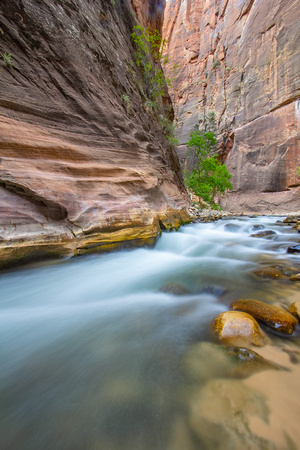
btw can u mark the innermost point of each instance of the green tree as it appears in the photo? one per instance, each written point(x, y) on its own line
point(208, 176)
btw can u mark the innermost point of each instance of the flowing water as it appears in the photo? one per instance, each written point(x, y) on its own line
point(114, 351)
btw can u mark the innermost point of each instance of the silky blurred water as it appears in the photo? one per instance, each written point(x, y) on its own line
point(92, 348)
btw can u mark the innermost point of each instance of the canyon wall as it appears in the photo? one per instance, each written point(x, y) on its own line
point(241, 59)
point(84, 163)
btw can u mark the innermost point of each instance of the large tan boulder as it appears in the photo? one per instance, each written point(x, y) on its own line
point(238, 328)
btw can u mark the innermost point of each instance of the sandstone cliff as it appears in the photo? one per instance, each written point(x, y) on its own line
point(83, 163)
point(241, 59)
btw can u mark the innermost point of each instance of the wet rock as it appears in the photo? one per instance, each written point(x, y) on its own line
point(239, 329)
point(273, 316)
point(268, 272)
point(294, 309)
point(295, 277)
point(175, 289)
point(291, 219)
point(247, 361)
point(294, 249)
point(258, 227)
point(264, 233)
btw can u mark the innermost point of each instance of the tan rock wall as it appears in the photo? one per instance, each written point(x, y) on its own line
point(241, 59)
point(83, 163)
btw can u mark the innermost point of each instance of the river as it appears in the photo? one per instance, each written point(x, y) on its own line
point(114, 351)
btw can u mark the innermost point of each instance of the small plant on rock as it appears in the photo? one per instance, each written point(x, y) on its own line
point(148, 56)
point(6, 57)
point(126, 99)
point(216, 63)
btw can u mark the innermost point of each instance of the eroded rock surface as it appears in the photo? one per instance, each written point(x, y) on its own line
point(83, 163)
point(241, 59)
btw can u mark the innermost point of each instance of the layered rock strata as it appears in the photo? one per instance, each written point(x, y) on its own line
point(83, 163)
point(241, 59)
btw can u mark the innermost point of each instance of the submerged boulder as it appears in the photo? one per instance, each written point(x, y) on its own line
point(175, 289)
point(205, 360)
point(273, 316)
point(239, 329)
point(268, 272)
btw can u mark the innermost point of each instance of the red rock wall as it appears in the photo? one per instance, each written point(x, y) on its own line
point(150, 13)
point(241, 59)
point(83, 163)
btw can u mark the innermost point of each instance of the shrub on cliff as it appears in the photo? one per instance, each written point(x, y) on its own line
point(208, 176)
point(148, 57)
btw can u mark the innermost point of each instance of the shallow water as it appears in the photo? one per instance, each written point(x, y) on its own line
point(93, 350)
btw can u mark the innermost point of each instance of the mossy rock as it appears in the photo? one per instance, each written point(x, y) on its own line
point(273, 316)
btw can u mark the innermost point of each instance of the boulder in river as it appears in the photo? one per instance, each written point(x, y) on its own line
point(268, 272)
point(291, 219)
point(258, 227)
point(175, 289)
point(295, 277)
point(294, 249)
point(273, 316)
point(294, 309)
point(239, 329)
point(263, 233)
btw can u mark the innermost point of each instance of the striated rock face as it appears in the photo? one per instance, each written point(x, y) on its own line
point(83, 163)
point(241, 59)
